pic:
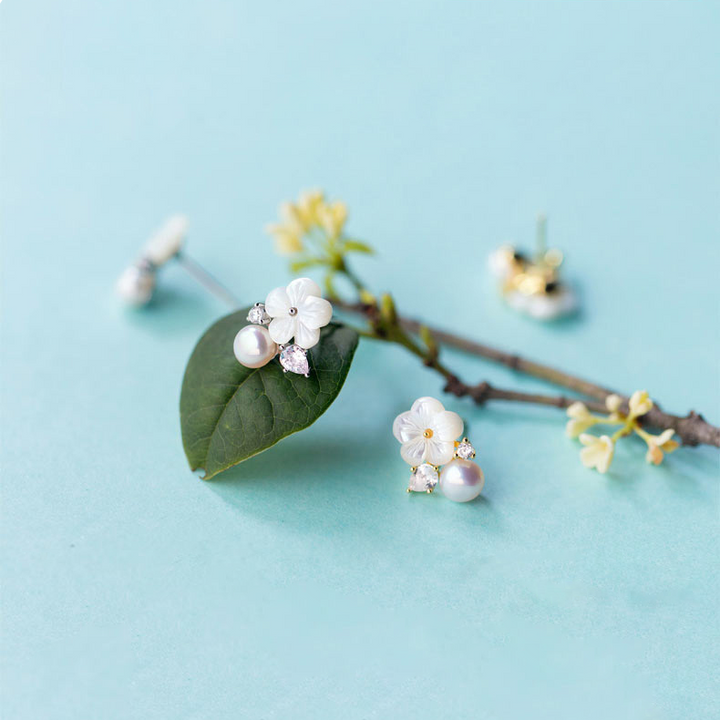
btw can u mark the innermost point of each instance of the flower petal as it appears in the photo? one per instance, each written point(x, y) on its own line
point(575, 426)
point(406, 427)
point(598, 452)
point(447, 425)
point(578, 410)
point(300, 289)
point(281, 329)
point(613, 403)
point(315, 312)
point(588, 456)
point(277, 303)
point(439, 452)
point(413, 451)
point(608, 450)
point(426, 408)
point(306, 337)
point(654, 455)
point(640, 403)
point(664, 436)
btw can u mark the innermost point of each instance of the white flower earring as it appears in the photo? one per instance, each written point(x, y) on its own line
point(428, 435)
point(296, 312)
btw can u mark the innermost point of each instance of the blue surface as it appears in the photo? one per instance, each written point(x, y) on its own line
point(307, 584)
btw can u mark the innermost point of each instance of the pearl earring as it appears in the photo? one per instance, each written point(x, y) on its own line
point(427, 433)
point(296, 312)
point(138, 282)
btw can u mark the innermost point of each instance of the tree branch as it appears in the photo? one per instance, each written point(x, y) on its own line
point(692, 429)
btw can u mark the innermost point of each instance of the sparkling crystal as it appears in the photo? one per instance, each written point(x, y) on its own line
point(257, 315)
point(465, 450)
point(294, 359)
point(424, 478)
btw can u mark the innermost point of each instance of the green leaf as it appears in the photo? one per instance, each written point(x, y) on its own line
point(228, 412)
point(300, 265)
point(357, 246)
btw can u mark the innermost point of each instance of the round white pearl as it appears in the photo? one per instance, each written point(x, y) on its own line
point(136, 285)
point(461, 480)
point(253, 346)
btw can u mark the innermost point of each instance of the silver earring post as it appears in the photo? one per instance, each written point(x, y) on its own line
point(206, 279)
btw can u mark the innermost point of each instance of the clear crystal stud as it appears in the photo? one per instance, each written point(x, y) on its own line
point(294, 359)
point(257, 315)
point(423, 479)
point(464, 450)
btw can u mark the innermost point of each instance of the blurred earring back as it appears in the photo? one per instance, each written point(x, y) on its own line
point(533, 285)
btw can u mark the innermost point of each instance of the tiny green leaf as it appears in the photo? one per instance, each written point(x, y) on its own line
point(427, 337)
point(387, 309)
point(357, 246)
point(228, 412)
point(300, 265)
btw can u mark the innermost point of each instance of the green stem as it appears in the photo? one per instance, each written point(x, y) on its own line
point(352, 277)
point(626, 429)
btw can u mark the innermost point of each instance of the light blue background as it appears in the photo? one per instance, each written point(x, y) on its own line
point(307, 584)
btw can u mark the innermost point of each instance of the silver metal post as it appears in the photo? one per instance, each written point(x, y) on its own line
point(207, 280)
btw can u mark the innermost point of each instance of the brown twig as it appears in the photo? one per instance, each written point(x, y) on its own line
point(692, 429)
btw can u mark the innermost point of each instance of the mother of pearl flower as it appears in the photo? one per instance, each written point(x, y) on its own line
point(298, 311)
point(427, 432)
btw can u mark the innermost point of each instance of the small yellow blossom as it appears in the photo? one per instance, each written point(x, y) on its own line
point(310, 212)
point(289, 231)
point(307, 207)
point(640, 403)
point(332, 217)
point(658, 445)
point(613, 403)
point(287, 238)
point(580, 419)
point(598, 451)
point(291, 218)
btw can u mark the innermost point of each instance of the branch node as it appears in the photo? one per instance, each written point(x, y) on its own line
point(454, 386)
point(480, 392)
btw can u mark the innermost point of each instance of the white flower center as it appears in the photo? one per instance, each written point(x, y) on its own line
point(428, 433)
point(292, 312)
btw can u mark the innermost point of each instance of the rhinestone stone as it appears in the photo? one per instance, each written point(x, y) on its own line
point(424, 478)
point(257, 315)
point(294, 359)
point(465, 450)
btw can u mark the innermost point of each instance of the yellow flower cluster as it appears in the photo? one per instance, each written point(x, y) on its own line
point(309, 213)
point(598, 452)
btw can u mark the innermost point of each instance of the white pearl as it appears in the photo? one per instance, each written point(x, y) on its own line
point(253, 346)
point(461, 480)
point(136, 285)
